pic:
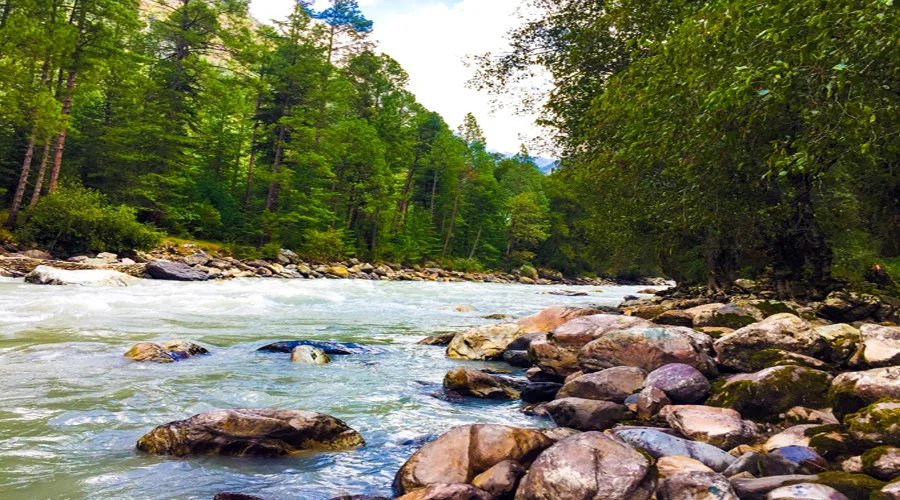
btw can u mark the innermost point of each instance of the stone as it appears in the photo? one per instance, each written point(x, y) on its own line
point(659, 444)
point(882, 462)
point(806, 491)
point(767, 393)
point(174, 271)
point(535, 374)
point(879, 346)
point(500, 480)
point(558, 353)
point(742, 349)
point(550, 318)
point(448, 492)
point(167, 352)
point(586, 414)
point(613, 384)
point(330, 348)
point(235, 496)
point(877, 424)
point(648, 349)
point(464, 452)
point(842, 339)
point(469, 382)
point(650, 401)
point(250, 433)
point(889, 492)
point(46, 275)
point(682, 383)
point(695, 486)
point(337, 272)
point(440, 339)
point(725, 315)
point(792, 436)
point(747, 463)
point(854, 390)
point(669, 466)
point(587, 466)
point(803, 415)
point(847, 307)
point(197, 259)
point(793, 460)
point(758, 488)
point(484, 342)
point(524, 342)
point(721, 427)
point(538, 392)
point(309, 355)
point(517, 358)
point(675, 317)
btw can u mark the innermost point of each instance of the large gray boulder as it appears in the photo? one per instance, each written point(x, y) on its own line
point(659, 444)
point(648, 349)
point(751, 347)
point(612, 384)
point(174, 271)
point(46, 275)
point(854, 390)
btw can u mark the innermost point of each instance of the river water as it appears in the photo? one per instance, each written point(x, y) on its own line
point(72, 408)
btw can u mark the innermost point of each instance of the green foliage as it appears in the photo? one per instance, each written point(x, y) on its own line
point(323, 245)
point(77, 220)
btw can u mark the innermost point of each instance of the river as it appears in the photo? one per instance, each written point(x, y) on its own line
point(72, 408)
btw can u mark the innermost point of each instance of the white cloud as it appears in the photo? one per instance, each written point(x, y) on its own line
point(431, 39)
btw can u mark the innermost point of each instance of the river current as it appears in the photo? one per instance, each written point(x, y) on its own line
point(72, 408)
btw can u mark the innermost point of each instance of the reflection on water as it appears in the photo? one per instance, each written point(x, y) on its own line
point(72, 407)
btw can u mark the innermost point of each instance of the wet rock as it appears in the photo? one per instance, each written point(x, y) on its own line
point(484, 342)
point(464, 452)
point(613, 384)
point(309, 355)
point(721, 427)
point(475, 383)
point(649, 402)
point(440, 339)
point(235, 496)
point(695, 486)
point(782, 332)
point(558, 353)
point(46, 275)
point(330, 348)
point(538, 392)
point(517, 358)
point(586, 414)
point(524, 342)
point(879, 346)
point(659, 444)
point(806, 491)
point(535, 374)
point(669, 466)
point(167, 352)
point(174, 271)
point(648, 349)
point(882, 462)
point(854, 390)
point(587, 466)
point(847, 307)
point(448, 492)
point(877, 424)
point(550, 318)
point(767, 393)
point(250, 433)
point(682, 383)
point(793, 460)
point(500, 480)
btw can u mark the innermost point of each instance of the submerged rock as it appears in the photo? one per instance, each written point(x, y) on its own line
point(882, 462)
point(484, 342)
point(167, 352)
point(330, 348)
point(309, 355)
point(174, 271)
point(46, 275)
point(250, 433)
point(440, 339)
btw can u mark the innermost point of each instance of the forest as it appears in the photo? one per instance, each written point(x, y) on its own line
point(700, 140)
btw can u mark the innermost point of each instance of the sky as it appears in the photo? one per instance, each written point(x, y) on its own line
point(431, 39)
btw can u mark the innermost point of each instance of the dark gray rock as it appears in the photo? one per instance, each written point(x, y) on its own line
point(174, 271)
point(331, 348)
point(538, 392)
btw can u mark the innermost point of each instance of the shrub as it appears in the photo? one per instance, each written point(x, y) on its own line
point(323, 245)
point(75, 219)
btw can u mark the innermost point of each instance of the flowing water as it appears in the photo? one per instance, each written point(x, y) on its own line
point(72, 408)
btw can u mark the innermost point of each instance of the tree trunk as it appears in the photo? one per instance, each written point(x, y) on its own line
point(7, 7)
point(475, 245)
point(452, 219)
point(252, 163)
point(61, 138)
point(276, 166)
point(23, 182)
point(433, 194)
point(39, 182)
point(721, 263)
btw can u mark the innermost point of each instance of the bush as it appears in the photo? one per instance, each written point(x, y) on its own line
point(323, 245)
point(78, 220)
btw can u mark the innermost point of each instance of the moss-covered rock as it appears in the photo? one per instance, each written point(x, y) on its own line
point(882, 462)
point(877, 424)
point(767, 358)
point(767, 393)
point(854, 390)
point(784, 332)
point(854, 486)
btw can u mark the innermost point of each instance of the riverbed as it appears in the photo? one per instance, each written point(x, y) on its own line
point(72, 408)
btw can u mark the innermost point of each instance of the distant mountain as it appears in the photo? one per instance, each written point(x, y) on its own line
point(546, 164)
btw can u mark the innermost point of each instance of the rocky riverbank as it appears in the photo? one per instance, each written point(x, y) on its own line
point(187, 262)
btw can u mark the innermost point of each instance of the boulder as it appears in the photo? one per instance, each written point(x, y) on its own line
point(683, 384)
point(803, 415)
point(767, 393)
point(669, 466)
point(793, 460)
point(517, 358)
point(783, 332)
point(464, 452)
point(882, 462)
point(675, 317)
point(889, 492)
point(475, 383)
point(842, 339)
point(757, 489)
point(613, 384)
point(588, 466)
point(35, 254)
point(877, 424)
point(197, 259)
point(250, 433)
point(524, 342)
point(337, 272)
point(501, 480)
point(550, 318)
point(167, 352)
point(538, 392)
point(720, 427)
point(695, 486)
point(806, 491)
point(330, 348)
point(448, 492)
point(535, 374)
point(792, 436)
point(725, 315)
point(854, 390)
point(650, 401)
point(484, 342)
point(558, 353)
point(586, 414)
point(659, 444)
point(879, 346)
point(648, 349)
point(174, 271)
point(847, 307)
point(46, 275)
point(309, 355)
